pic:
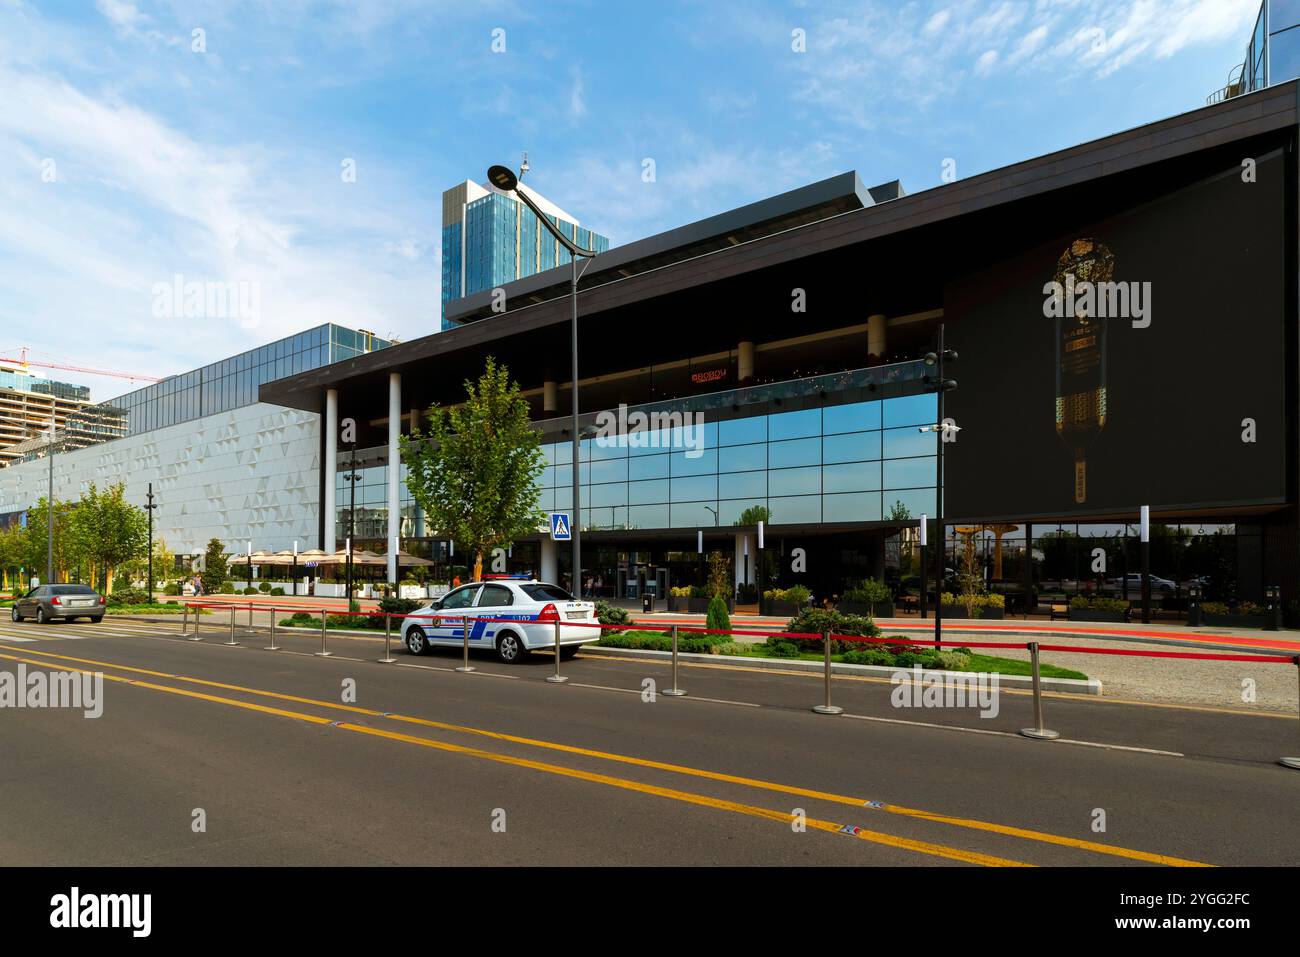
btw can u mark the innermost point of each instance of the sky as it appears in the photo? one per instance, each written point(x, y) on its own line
point(296, 150)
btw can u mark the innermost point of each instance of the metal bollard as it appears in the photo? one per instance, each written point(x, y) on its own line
point(464, 630)
point(674, 691)
point(250, 630)
point(557, 678)
point(388, 658)
point(827, 707)
point(272, 646)
point(1038, 731)
point(232, 627)
point(185, 619)
point(1292, 762)
point(324, 617)
point(198, 610)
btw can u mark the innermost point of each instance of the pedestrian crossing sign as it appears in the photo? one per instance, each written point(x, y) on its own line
point(560, 530)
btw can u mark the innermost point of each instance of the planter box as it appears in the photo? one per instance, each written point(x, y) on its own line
point(873, 610)
point(1235, 621)
point(785, 609)
point(412, 591)
point(1082, 614)
point(694, 606)
point(985, 614)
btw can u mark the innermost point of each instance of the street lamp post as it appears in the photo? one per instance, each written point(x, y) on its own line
point(149, 507)
point(942, 430)
point(505, 180)
point(49, 503)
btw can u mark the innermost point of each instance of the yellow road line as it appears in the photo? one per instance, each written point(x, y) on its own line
point(686, 797)
point(970, 823)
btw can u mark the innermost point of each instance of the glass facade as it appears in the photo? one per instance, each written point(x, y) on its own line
point(228, 384)
point(1273, 54)
point(845, 463)
point(371, 526)
point(502, 241)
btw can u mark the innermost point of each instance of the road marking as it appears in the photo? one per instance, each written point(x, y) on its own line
point(1042, 836)
point(1026, 692)
point(685, 797)
point(1013, 734)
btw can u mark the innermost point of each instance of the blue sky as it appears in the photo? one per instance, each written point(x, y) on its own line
point(224, 163)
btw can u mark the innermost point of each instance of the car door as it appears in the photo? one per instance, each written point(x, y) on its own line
point(458, 602)
point(494, 601)
point(27, 605)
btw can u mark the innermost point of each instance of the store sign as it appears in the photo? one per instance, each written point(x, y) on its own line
point(712, 375)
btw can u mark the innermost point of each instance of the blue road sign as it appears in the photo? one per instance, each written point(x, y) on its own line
point(560, 531)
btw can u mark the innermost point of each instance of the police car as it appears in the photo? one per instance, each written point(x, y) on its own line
point(530, 610)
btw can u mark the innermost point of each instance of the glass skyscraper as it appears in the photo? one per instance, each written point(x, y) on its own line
point(1273, 53)
point(490, 238)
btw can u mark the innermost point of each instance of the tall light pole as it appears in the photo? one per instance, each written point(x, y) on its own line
point(49, 502)
point(942, 430)
point(149, 507)
point(503, 179)
point(352, 478)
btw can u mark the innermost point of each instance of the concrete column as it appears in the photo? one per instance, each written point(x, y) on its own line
point(745, 361)
point(550, 397)
point(742, 567)
point(550, 570)
point(877, 341)
point(394, 469)
point(330, 466)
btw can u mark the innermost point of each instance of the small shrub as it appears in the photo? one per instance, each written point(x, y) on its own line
point(301, 616)
point(682, 592)
point(783, 649)
point(608, 614)
point(730, 648)
point(277, 591)
point(264, 587)
point(868, 656)
point(250, 590)
point(868, 592)
point(1086, 603)
point(172, 588)
point(226, 588)
point(718, 619)
point(950, 661)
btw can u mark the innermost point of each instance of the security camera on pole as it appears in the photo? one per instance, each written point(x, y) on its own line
point(945, 432)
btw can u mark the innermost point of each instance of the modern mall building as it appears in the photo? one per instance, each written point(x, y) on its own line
point(222, 464)
point(1125, 313)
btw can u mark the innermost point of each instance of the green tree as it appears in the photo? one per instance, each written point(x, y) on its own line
point(476, 469)
point(108, 532)
point(13, 555)
point(720, 583)
point(37, 537)
point(215, 569)
point(755, 514)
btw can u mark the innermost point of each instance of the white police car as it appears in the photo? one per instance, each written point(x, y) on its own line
point(531, 609)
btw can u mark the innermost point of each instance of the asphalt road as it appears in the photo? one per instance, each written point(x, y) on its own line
point(428, 766)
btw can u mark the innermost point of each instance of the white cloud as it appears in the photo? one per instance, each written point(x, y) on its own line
point(984, 65)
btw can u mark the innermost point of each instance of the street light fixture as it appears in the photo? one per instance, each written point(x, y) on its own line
point(505, 180)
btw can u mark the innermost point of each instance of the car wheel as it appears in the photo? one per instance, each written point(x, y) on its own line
point(510, 648)
point(417, 642)
point(569, 652)
point(96, 619)
point(41, 618)
point(15, 614)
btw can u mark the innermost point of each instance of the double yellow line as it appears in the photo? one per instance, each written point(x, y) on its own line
point(924, 847)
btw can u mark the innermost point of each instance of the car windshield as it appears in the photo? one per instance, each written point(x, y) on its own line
point(546, 593)
point(72, 590)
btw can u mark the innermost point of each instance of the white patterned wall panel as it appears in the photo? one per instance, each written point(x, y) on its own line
point(249, 474)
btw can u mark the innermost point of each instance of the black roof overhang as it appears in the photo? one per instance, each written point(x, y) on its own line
point(891, 258)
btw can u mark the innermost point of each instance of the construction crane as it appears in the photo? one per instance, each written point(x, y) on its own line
point(27, 363)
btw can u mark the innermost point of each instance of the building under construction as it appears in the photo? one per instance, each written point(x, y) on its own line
point(28, 404)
